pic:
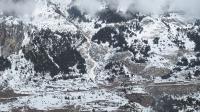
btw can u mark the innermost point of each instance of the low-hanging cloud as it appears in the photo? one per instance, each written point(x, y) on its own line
point(89, 6)
point(17, 7)
point(188, 7)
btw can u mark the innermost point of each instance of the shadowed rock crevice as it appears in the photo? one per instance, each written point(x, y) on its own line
point(110, 35)
point(75, 13)
point(55, 52)
point(117, 37)
point(109, 15)
point(4, 64)
point(194, 36)
point(115, 71)
point(169, 104)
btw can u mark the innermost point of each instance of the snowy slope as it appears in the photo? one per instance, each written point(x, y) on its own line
point(104, 62)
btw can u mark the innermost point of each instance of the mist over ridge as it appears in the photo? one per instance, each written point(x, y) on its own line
point(188, 7)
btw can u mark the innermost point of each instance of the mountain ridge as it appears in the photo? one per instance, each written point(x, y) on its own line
point(108, 62)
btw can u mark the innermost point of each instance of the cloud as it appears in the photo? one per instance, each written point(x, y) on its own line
point(89, 6)
point(189, 7)
point(17, 7)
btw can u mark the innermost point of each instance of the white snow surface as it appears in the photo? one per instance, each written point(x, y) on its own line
point(48, 94)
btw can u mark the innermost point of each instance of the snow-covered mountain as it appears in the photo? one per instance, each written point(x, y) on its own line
point(60, 57)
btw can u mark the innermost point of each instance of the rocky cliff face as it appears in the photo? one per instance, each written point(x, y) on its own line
point(61, 58)
point(11, 37)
